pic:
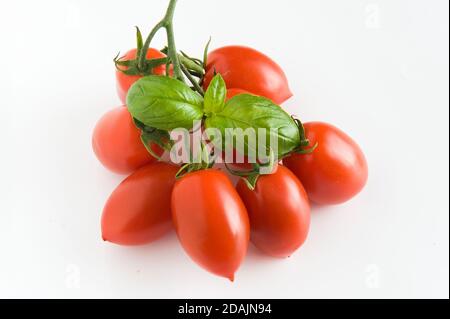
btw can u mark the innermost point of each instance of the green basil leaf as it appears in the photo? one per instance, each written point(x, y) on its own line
point(164, 103)
point(248, 111)
point(216, 95)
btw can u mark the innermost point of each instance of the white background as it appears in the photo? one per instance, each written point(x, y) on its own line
point(378, 69)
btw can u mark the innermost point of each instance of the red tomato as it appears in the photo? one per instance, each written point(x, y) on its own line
point(233, 92)
point(279, 212)
point(211, 221)
point(124, 82)
point(247, 69)
point(138, 211)
point(336, 171)
point(117, 143)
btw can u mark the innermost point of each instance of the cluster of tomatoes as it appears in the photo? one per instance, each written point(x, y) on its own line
point(214, 219)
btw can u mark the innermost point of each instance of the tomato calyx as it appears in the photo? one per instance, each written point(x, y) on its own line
point(130, 67)
point(250, 177)
point(205, 60)
point(151, 136)
point(204, 161)
point(304, 141)
point(133, 67)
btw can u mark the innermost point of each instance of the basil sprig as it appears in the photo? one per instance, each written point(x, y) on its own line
point(166, 104)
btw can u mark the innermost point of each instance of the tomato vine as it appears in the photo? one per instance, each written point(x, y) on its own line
point(161, 104)
point(167, 24)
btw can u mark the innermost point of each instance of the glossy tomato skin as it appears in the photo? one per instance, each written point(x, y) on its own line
point(117, 143)
point(233, 92)
point(336, 171)
point(138, 212)
point(124, 82)
point(247, 69)
point(279, 213)
point(211, 221)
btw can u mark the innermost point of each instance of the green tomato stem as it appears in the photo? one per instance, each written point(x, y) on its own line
point(191, 79)
point(190, 64)
point(167, 24)
point(172, 52)
point(146, 46)
point(193, 65)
